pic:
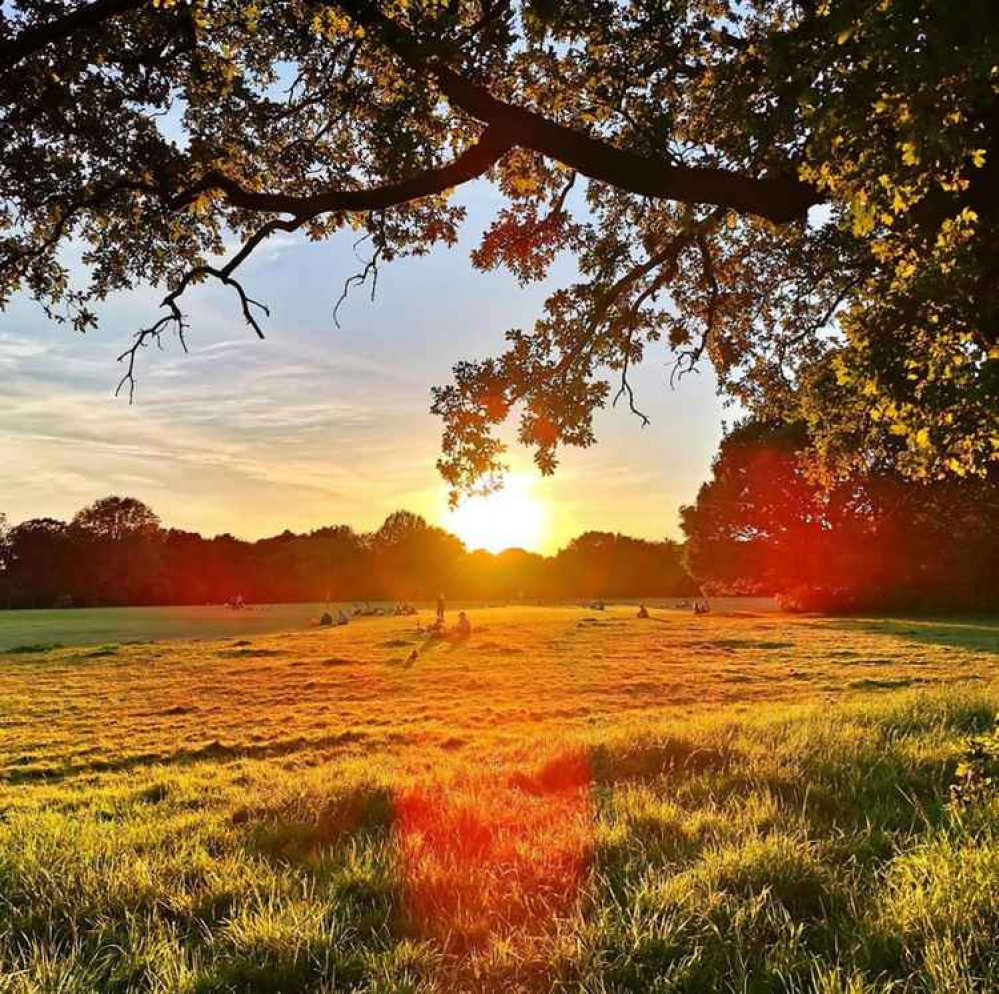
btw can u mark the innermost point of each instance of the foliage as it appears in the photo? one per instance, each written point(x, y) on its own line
point(115, 552)
point(702, 131)
point(976, 778)
point(763, 523)
point(630, 805)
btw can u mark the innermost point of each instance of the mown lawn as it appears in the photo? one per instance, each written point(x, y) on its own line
point(571, 801)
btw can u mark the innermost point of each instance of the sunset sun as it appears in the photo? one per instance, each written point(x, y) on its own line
point(513, 517)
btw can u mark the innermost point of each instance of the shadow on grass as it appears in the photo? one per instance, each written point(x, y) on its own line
point(974, 634)
point(212, 751)
point(298, 829)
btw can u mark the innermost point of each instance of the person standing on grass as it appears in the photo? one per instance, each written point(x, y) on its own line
point(440, 608)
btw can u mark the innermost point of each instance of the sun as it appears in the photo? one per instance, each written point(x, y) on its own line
point(513, 517)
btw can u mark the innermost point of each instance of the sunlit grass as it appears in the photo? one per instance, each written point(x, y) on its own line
point(568, 801)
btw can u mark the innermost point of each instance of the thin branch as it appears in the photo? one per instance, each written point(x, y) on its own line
point(559, 206)
point(626, 389)
point(370, 270)
point(175, 316)
point(693, 356)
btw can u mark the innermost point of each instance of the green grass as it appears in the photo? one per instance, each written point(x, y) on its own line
point(44, 629)
point(562, 803)
point(31, 631)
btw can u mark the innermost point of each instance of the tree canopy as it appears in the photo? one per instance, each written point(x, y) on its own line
point(762, 524)
point(803, 192)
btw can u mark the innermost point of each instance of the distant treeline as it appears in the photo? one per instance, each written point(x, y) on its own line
point(116, 552)
point(874, 542)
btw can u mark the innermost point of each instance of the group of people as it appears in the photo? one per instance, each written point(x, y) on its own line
point(401, 609)
point(701, 606)
point(439, 629)
point(463, 627)
point(327, 620)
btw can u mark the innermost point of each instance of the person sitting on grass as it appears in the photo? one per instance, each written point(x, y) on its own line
point(464, 627)
point(643, 611)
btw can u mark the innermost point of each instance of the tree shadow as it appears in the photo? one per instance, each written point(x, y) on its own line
point(977, 634)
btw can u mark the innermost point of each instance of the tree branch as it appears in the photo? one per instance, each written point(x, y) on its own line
point(36, 37)
point(479, 157)
point(176, 316)
point(778, 198)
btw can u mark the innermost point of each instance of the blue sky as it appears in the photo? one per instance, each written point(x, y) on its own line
point(318, 425)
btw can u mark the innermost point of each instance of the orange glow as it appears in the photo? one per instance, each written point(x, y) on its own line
point(513, 517)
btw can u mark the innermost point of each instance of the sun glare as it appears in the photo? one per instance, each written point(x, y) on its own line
point(509, 518)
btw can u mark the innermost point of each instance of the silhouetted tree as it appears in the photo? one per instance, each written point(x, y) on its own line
point(762, 524)
point(413, 559)
point(120, 541)
point(41, 563)
point(603, 564)
point(4, 560)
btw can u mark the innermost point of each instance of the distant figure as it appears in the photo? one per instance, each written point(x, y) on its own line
point(341, 618)
point(464, 627)
point(643, 611)
point(411, 658)
point(326, 619)
point(702, 606)
point(440, 607)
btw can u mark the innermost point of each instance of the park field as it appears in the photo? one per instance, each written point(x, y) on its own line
point(569, 800)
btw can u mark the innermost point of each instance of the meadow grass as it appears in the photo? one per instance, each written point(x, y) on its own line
point(568, 801)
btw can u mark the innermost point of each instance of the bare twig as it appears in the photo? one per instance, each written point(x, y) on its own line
point(175, 317)
point(370, 268)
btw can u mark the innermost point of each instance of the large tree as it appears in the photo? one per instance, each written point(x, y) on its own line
point(761, 524)
point(804, 192)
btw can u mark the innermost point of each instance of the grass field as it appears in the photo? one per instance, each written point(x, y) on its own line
point(52, 628)
point(570, 800)
point(90, 626)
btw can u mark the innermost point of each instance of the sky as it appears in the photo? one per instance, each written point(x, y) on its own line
point(321, 425)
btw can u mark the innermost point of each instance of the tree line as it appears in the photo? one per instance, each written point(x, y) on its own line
point(117, 552)
point(766, 523)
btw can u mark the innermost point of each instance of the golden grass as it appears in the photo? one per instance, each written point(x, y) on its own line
point(569, 800)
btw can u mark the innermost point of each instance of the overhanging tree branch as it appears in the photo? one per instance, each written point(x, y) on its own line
point(477, 159)
point(777, 198)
